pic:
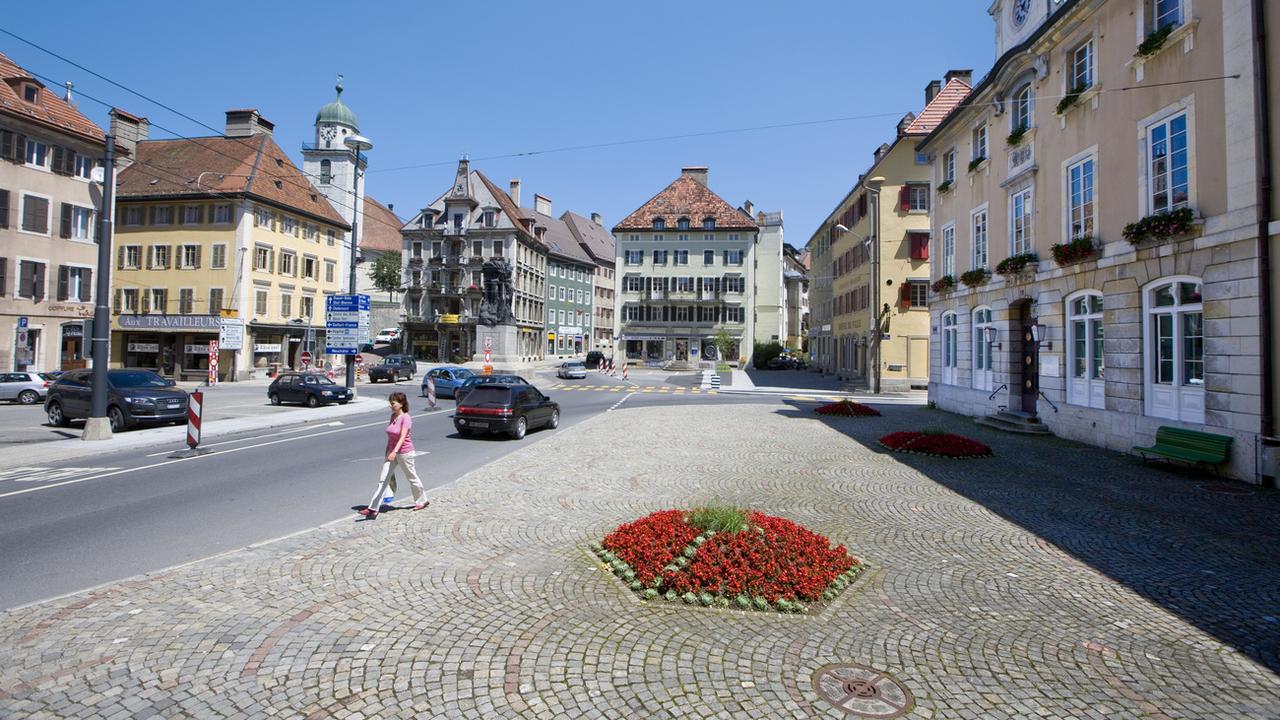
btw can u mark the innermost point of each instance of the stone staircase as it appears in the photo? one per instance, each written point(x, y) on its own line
point(1015, 421)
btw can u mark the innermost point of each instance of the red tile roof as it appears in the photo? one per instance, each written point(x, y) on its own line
point(939, 107)
point(49, 109)
point(253, 166)
point(690, 199)
point(379, 227)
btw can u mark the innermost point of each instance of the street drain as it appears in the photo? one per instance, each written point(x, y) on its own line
point(862, 691)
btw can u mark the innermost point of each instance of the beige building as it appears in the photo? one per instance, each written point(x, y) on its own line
point(49, 209)
point(219, 227)
point(795, 282)
point(1097, 251)
point(876, 247)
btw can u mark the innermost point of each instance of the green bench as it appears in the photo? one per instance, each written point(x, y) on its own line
point(1189, 446)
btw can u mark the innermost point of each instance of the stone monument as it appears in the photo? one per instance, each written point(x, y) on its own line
point(496, 322)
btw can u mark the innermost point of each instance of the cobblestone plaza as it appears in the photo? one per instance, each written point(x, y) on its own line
point(1054, 580)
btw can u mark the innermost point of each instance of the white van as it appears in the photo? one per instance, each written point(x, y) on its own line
point(387, 335)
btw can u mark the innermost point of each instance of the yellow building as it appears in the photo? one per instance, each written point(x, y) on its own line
point(875, 252)
point(218, 230)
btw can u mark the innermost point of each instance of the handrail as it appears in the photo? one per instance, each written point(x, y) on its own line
point(1046, 399)
point(1003, 386)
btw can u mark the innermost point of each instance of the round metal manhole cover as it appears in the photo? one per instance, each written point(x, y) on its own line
point(1226, 488)
point(862, 691)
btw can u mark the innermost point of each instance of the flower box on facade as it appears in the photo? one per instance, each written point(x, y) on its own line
point(976, 163)
point(974, 278)
point(943, 284)
point(1016, 136)
point(1161, 226)
point(944, 186)
point(1075, 251)
point(1018, 264)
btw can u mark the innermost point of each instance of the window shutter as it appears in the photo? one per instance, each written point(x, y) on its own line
point(59, 161)
point(64, 278)
point(151, 257)
point(197, 265)
point(38, 282)
point(24, 279)
point(120, 258)
point(182, 215)
point(4, 208)
point(6, 144)
point(199, 214)
point(115, 302)
point(4, 275)
point(86, 285)
point(145, 303)
point(169, 259)
point(71, 162)
point(65, 232)
point(904, 198)
point(905, 294)
point(19, 155)
point(151, 215)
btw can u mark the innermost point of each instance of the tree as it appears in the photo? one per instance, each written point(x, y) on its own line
point(385, 273)
point(724, 342)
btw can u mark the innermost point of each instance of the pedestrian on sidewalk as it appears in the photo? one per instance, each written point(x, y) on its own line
point(399, 457)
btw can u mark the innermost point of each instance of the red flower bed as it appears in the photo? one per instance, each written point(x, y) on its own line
point(847, 407)
point(651, 542)
point(946, 445)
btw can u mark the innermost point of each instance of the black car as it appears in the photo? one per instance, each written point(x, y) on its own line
point(394, 367)
point(134, 397)
point(510, 409)
point(470, 384)
point(309, 388)
point(594, 359)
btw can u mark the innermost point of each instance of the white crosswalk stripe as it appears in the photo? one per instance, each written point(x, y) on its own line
point(47, 474)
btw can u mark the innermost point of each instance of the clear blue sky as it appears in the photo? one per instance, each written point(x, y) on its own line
point(430, 81)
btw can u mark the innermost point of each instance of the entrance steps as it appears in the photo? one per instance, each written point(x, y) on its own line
point(1015, 421)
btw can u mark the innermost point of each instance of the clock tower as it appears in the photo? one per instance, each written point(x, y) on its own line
point(1016, 20)
point(331, 166)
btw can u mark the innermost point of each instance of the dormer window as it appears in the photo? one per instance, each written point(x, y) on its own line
point(488, 218)
point(659, 224)
point(31, 93)
point(708, 223)
point(682, 223)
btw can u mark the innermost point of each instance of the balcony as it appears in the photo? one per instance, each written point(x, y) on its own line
point(475, 260)
point(450, 230)
point(415, 260)
point(656, 294)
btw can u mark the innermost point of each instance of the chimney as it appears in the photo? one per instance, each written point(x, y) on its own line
point(542, 204)
point(595, 218)
point(964, 76)
point(67, 97)
point(697, 172)
point(247, 123)
point(391, 207)
point(905, 123)
point(128, 130)
point(749, 208)
point(931, 91)
point(515, 191)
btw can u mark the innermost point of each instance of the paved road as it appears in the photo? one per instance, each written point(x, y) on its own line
point(79, 523)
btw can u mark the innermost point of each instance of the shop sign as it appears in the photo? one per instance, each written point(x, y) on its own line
point(566, 330)
point(196, 349)
point(144, 347)
point(550, 336)
point(266, 347)
point(449, 319)
point(79, 309)
point(644, 337)
point(170, 322)
point(73, 330)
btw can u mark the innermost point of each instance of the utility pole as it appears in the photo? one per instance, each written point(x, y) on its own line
point(98, 426)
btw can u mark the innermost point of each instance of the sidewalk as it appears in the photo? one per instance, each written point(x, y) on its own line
point(1010, 587)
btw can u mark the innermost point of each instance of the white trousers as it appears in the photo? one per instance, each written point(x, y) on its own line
point(404, 464)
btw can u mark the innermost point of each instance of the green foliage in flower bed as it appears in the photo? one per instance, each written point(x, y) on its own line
point(1016, 136)
point(973, 278)
point(1153, 42)
point(1016, 263)
point(1160, 226)
point(1070, 99)
point(1069, 252)
point(718, 518)
point(944, 186)
point(975, 163)
point(943, 284)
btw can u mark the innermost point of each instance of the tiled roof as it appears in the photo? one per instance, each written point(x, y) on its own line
point(689, 198)
point(560, 240)
point(210, 166)
point(508, 205)
point(49, 109)
point(597, 240)
point(942, 104)
point(379, 227)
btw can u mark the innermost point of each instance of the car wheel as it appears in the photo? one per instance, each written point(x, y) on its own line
point(56, 418)
point(521, 428)
point(116, 417)
point(312, 401)
point(28, 397)
point(555, 420)
point(274, 398)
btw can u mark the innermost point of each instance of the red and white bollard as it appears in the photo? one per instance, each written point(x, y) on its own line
point(612, 370)
point(195, 406)
point(431, 392)
point(624, 372)
point(329, 372)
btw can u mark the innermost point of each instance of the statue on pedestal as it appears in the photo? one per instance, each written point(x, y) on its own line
point(499, 290)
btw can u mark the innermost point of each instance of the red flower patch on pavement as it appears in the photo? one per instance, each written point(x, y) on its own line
point(940, 444)
point(773, 563)
point(847, 407)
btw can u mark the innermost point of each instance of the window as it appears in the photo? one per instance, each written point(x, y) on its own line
point(81, 223)
point(37, 153)
point(158, 301)
point(682, 238)
point(982, 374)
point(308, 306)
point(1167, 175)
point(186, 301)
point(288, 262)
point(497, 248)
point(949, 250)
point(1085, 350)
point(562, 317)
point(35, 214)
point(74, 284)
point(708, 257)
point(83, 167)
point(30, 93)
point(133, 216)
point(1080, 199)
point(477, 248)
point(632, 283)
point(949, 166)
point(326, 172)
point(922, 158)
point(1162, 14)
point(1020, 115)
point(1020, 222)
point(709, 223)
point(682, 257)
point(487, 218)
point(735, 284)
point(260, 302)
point(561, 292)
point(290, 226)
point(129, 301)
point(310, 267)
point(158, 257)
point(979, 143)
point(218, 257)
point(1081, 67)
point(659, 257)
point(331, 238)
point(190, 257)
point(918, 197)
point(979, 238)
point(579, 297)
point(659, 224)
point(129, 257)
point(215, 301)
point(949, 348)
point(918, 293)
point(683, 284)
point(31, 280)
point(708, 237)
point(286, 304)
point(330, 271)
point(1174, 363)
point(161, 215)
point(261, 218)
point(262, 258)
point(732, 257)
point(682, 223)
point(222, 214)
point(192, 214)
point(733, 237)
point(633, 257)
point(658, 238)
point(682, 313)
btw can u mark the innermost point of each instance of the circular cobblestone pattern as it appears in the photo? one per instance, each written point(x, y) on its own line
point(862, 691)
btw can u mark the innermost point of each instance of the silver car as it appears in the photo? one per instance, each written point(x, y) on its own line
point(572, 369)
point(27, 388)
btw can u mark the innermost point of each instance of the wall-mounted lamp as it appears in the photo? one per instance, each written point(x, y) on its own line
point(1039, 331)
point(992, 335)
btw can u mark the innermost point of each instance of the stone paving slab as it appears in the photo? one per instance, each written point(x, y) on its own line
point(1053, 581)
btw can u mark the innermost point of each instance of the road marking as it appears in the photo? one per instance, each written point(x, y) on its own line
point(47, 474)
point(335, 423)
point(620, 401)
point(198, 457)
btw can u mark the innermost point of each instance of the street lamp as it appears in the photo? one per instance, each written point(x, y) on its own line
point(873, 187)
point(357, 144)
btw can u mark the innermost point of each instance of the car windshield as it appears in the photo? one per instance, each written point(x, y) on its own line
point(319, 380)
point(499, 380)
point(137, 379)
point(463, 374)
point(489, 394)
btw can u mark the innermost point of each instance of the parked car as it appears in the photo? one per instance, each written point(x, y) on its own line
point(594, 359)
point(311, 389)
point(782, 362)
point(510, 409)
point(448, 379)
point(394, 367)
point(27, 388)
point(572, 369)
point(461, 391)
point(134, 397)
point(387, 335)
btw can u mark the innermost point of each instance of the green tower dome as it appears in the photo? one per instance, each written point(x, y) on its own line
point(337, 111)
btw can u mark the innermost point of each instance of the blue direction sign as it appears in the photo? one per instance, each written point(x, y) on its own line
point(346, 323)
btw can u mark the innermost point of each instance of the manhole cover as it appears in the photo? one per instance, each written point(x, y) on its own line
point(1226, 488)
point(862, 691)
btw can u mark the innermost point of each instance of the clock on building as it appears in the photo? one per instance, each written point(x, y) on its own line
point(327, 133)
point(1021, 9)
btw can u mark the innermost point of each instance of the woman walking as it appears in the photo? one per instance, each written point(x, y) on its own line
point(399, 457)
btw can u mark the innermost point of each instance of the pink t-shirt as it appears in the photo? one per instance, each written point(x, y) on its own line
point(404, 422)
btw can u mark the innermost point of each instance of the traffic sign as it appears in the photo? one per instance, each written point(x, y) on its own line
point(213, 363)
point(488, 343)
point(231, 333)
point(305, 357)
point(23, 322)
point(346, 323)
point(359, 358)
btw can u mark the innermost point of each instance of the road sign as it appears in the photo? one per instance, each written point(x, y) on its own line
point(23, 322)
point(488, 343)
point(305, 357)
point(346, 323)
point(22, 338)
point(359, 358)
point(213, 363)
point(231, 333)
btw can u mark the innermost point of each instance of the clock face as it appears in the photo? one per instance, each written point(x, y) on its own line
point(1021, 8)
point(327, 133)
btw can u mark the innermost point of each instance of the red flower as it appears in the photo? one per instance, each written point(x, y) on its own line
point(847, 407)
point(651, 542)
point(946, 445)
